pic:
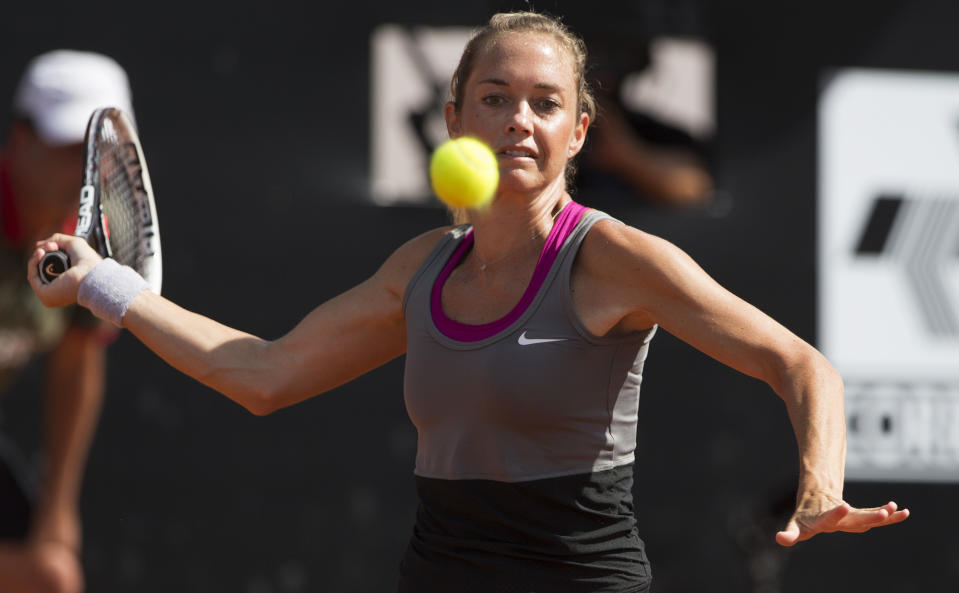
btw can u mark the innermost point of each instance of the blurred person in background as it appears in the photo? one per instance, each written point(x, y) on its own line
point(40, 176)
point(658, 162)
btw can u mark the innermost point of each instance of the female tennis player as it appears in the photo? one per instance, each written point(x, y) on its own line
point(525, 333)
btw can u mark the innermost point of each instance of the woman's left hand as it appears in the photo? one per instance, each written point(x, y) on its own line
point(822, 513)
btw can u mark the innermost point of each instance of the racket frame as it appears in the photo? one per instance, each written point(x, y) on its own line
point(91, 224)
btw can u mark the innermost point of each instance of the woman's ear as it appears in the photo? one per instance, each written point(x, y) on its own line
point(578, 136)
point(452, 119)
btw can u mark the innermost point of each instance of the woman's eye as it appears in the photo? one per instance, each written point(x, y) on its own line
point(493, 100)
point(548, 105)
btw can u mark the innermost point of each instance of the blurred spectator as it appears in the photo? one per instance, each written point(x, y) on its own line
point(657, 161)
point(40, 173)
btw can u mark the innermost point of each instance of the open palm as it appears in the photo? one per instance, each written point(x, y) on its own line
point(826, 514)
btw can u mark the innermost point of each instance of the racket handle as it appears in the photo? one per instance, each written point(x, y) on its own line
point(52, 264)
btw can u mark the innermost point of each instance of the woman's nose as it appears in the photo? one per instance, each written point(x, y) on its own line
point(519, 121)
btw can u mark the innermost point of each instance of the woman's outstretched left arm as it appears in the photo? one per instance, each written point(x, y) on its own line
point(665, 287)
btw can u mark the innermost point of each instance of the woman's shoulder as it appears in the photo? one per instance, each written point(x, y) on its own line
point(415, 250)
point(613, 242)
point(403, 263)
point(629, 272)
point(616, 253)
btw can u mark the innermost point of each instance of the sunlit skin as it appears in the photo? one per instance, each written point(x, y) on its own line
point(521, 99)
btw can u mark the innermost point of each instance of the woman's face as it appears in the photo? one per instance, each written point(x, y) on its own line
point(522, 100)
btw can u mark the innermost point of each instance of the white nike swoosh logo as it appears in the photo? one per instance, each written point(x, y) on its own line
point(524, 341)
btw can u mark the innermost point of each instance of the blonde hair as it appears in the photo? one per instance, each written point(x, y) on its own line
point(522, 22)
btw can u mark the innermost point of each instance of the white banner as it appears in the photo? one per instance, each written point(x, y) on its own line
point(888, 263)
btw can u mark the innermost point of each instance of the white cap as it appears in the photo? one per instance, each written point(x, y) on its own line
point(60, 90)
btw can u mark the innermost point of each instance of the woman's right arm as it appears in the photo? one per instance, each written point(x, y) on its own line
point(340, 340)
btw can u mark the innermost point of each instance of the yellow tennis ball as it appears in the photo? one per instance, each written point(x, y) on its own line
point(464, 173)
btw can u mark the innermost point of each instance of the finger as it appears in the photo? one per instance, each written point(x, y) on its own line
point(863, 521)
point(789, 536)
point(59, 241)
point(895, 514)
point(798, 530)
point(52, 243)
point(55, 239)
point(32, 271)
point(33, 268)
point(827, 521)
point(898, 517)
point(889, 507)
point(834, 516)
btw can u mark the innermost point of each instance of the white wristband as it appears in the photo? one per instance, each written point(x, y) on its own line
point(108, 289)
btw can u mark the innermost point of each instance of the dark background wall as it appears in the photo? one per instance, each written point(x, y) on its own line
point(256, 126)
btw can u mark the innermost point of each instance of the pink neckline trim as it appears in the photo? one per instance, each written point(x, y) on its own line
point(465, 332)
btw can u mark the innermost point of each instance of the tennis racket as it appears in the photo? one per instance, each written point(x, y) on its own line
point(117, 214)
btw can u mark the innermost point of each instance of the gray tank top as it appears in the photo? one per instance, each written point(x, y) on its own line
point(533, 395)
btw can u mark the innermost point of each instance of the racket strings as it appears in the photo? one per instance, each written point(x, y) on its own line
point(124, 203)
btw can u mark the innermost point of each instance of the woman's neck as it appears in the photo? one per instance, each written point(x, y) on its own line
point(512, 222)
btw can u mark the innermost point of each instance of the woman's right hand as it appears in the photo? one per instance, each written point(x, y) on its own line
point(63, 290)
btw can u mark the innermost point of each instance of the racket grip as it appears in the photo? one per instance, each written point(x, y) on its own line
point(52, 264)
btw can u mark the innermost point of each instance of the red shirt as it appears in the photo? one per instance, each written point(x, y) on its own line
point(9, 216)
